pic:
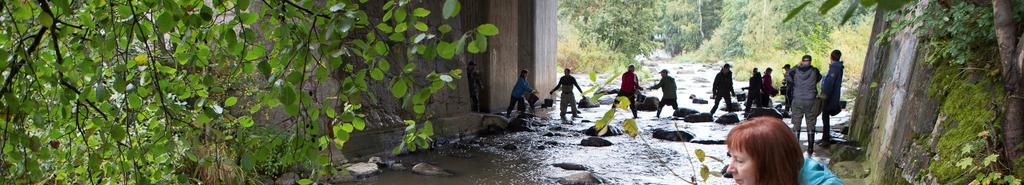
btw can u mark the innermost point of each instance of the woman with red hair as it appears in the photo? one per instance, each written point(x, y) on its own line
point(765, 151)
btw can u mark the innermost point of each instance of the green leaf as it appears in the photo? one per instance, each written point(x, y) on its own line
point(988, 160)
point(165, 22)
point(427, 130)
point(445, 28)
point(828, 5)
point(450, 9)
point(700, 155)
point(255, 52)
point(399, 88)
point(421, 26)
point(401, 27)
point(593, 76)
point(796, 11)
point(965, 163)
point(623, 102)
point(245, 121)
point(377, 74)
point(890, 5)
point(134, 102)
point(446, 50)
point(381, 48)
point(230, 101)
point(242, 4)
point(45, 19)
point(420, 12)
point(359, 123)
point(385, 28)
point(849, 12)
point(472, 47)
point(704, 172)
point(248, 18)
point(400, 15)
point(630, 126)
point(487, 29)
point(481, 43)
point(305, 182)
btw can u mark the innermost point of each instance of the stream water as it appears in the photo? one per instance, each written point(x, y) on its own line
point(640, 160)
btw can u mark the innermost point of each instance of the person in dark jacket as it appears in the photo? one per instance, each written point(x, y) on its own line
point(804, 83)
point(753, 90)
point(668, 86)
point(568, 99)
point(473, 77)
point(721, 88)
point(831, 87)
point(630, 87)
point(786, 93)
point(767, 89)
point(521, 88)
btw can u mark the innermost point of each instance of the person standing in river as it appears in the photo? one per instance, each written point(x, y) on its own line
point(668, 88)
point(630, 87)
point(753, 90)
point(806, 106)
point(786, 90)
point(767, 89)
point(521, 88)
point(568, 99)
point(473, 77)
point(721, 88)
point(831, 87)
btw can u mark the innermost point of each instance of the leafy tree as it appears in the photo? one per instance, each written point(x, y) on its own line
point(148, 91)
point(624, 26)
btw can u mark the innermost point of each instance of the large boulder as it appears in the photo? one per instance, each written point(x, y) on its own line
point(581, 178)
point(430, 170)
point(732, 107)
point(759, 112)
point(728, 119)
point(595, 142)
point(612, 131)
point(849, 169)
point(683, 112)
point(699, 101)
point(606, 100)
point(648, 104)
point(524, 123)
point(672, 135)
point(361, 170)
point(697, 118)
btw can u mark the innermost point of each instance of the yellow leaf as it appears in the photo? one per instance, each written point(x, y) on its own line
point(141, 60)
point(631, 128)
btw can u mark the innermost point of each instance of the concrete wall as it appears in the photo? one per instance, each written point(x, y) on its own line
point(545, 45)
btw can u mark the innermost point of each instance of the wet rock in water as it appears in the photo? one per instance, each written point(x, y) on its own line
point(683, 112)
point(649, 104)
point(612, 131)
point(522, 124)
point(849, 169)
point(728, 119)
point(549, 134)
point(540, 147)
point(376, 160)
point(606, 100)
point(700, 101)
point(585, 103)
point(672, 135)
point(758, 112)
point(701, 80)
point(611, 91)
point(510, 147)
point(570, 166)
point(842, 152)
point(732, 107)
point(552, 143)
point(708, 142)
point(287, 179)
point(697, 118)
point(741, 97)
point(361, 170)
point(595, 142)
point(586, 121)
point(338, 178)
point(430, 170)
point(581, 178)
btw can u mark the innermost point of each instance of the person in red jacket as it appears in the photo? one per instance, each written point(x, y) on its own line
point(629, 88)
point(767, 89)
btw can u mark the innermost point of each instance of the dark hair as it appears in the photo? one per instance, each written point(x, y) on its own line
point(523, 72)
point(807, 57)
point(772, 147)
point(836, 54)
point(727, 66)
point(769, 70)
point(787, 66)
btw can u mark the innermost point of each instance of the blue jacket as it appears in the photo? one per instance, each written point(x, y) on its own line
point(832, 84)
point(814, 173)
point(522, 87)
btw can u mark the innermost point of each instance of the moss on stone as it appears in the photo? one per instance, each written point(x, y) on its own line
point(971, 109)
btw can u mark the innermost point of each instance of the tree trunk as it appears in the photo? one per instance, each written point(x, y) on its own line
point(1010, 57)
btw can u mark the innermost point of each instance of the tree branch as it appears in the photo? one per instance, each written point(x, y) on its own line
point(305, 10)
point(16, 67)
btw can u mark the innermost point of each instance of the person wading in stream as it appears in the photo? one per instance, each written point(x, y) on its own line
point(830, 91)
point(522, 88)
point(630, 87)
point(668, 85)
point(786, 90)
point(473, 77)
point(568, 98)
point(753, 90)
point(767, 89)
point(804, 81)
point(721, 88)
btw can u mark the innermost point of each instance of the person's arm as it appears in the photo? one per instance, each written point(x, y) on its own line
point(637, 84)
point(660, 84)
point(556, 86)
point(714, 86)
point(577, 84)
